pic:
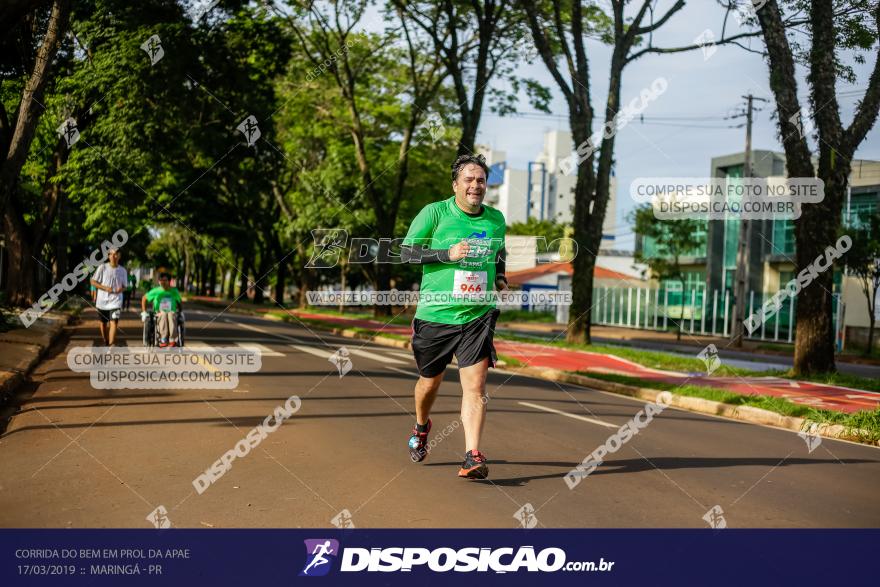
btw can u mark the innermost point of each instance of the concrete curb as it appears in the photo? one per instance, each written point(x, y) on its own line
point(29, 346)
point(748, 414)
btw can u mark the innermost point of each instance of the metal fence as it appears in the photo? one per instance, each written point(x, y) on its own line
point(698, 311)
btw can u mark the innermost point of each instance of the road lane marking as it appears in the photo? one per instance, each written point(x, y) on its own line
point(575, 416)
point(376, 356)
point(401, 354)
point(260, 348)
point(263, 331)
point(313, 351)
point(199, 345)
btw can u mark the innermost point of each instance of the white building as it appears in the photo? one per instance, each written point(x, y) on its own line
point(541, 191)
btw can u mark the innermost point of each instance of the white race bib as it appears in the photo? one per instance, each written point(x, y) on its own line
point(165, 305)
point(469, 284)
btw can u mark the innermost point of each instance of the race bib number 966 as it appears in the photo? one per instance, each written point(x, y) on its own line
point(469, 284)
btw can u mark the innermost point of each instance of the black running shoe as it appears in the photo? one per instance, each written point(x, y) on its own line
point(418, 444)
point(474, 466)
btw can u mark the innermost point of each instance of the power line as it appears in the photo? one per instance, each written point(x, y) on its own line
point(542, 115)
point(692, 125)
point(671, 117)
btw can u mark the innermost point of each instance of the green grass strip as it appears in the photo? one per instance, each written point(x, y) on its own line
point(864, 425)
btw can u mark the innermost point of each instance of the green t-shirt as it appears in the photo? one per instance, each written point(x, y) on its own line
point(164, 300)
point(456, 292)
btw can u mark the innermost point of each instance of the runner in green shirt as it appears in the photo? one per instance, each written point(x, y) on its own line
point(460, 243)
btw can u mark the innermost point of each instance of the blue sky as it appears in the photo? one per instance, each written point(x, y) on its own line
point(697, 87)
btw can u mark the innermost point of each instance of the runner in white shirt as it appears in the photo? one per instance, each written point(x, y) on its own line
point(110, 279)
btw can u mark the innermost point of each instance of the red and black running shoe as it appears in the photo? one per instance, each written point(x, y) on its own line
point(474, 466)
point(418, 443)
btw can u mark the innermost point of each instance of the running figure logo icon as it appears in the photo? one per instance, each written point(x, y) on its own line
point(69, 132)
point(526, 516)
point(342, 360)
point(320, 553)
point(709, 356)
point(715, 518)
point(250, 130)
point(153, 48)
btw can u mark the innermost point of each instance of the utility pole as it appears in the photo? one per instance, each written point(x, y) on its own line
point(745, 237)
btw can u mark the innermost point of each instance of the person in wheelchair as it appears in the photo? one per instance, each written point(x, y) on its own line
point(166, 303)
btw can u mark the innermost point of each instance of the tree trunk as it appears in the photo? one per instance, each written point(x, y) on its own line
point(817, 226)
point(588, 223)
point(280, 280)
point(243, 280)
point(31, 109)
point(21, 268)
point(199, 275)
point(229, 278)
point(382, 282)
point(261, 278)
point(382, 273)
point(62, 261)
point(212, 283)
point(342, 266)
point(870, 348)
point(302, 288)
point(307, 282)
point(584, 263)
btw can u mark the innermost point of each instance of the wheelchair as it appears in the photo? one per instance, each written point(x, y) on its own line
point(151, 332)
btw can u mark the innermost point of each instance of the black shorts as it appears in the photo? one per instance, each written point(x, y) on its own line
point(107, 315)
point(434, 343)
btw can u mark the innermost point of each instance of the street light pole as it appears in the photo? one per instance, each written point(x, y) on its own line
point(745, 238)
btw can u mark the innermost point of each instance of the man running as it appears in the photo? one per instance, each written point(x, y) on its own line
point(110, 280)
point(460, 242)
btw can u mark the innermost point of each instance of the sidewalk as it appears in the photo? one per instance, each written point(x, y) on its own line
point(21, 348)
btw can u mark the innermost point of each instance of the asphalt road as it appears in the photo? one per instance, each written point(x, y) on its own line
point(76, 456)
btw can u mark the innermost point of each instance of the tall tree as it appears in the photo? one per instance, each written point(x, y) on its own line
point(560, 30)
point(478, 42)
point(833, 27)
point(367, 71)
point(16, 135)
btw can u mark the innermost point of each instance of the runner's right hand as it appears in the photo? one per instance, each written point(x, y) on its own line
point(144, 316)
point(458, 251)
